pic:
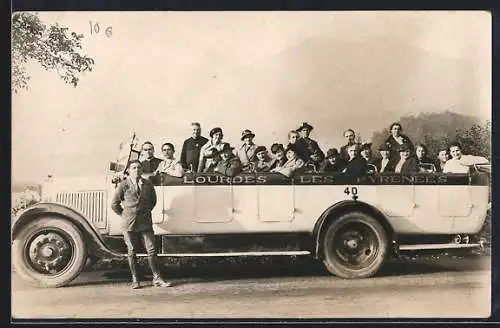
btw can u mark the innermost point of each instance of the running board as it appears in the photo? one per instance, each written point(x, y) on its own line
point(436, 246)
point(230, 254)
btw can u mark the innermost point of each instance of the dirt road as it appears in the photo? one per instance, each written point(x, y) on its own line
point(447, 287)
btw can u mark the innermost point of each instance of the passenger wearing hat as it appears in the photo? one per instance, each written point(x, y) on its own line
point(209, 153)
point(333, 162)
point(366, 153)
point(246, 152)
point(262, 161)
point(228, 164)
point(384, 163)
point(293, 164)
point(279, 156)
point(311, 153)
point(406, 163)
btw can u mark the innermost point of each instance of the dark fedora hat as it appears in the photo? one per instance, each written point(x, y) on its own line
point(292, 147)
point(225, 148)
point(277, 147)
point(305, 125)
point(214, 131)
point(247, 133)
point(332, 152)
point(385, 147)
point(365, 145)
point(260, 148)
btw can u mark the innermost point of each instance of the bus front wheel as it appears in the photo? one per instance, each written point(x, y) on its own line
point(354, 246)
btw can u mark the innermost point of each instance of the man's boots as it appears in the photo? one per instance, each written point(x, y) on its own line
point(132, 263)
point(157, 280)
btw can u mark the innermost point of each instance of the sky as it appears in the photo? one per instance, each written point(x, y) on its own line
point(264, 71)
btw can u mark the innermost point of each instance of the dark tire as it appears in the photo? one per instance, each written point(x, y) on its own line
point(354, 246)
point(49, 252)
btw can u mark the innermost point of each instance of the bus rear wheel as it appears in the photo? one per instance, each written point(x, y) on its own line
point(49, 252)
point(354, 246)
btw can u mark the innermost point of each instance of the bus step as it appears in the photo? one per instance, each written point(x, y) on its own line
point(436, 246)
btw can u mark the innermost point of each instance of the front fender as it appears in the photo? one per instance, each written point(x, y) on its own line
point(63, 212)
point(337, 209)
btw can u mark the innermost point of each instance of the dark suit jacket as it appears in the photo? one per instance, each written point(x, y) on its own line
point(388, 168)
point(150, 165)
point(394, 145)
point(308, 147)
point(357, 167)
point(134, 207)
point(190, 154)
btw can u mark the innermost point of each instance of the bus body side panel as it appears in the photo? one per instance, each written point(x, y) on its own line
point(478, 208)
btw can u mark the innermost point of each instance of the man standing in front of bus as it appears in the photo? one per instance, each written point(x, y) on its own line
point(134, 199)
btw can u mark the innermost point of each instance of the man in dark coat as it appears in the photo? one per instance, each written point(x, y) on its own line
point(308, 147)
point(396, 139)
point(150, 163)
point(134, 199)
point(190, 153)
point(356, 166)
point(351, 140)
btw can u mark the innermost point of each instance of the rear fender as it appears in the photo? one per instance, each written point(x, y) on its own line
point(336, 210)
point(64, 213)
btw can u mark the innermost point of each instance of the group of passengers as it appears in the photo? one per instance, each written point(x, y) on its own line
point(397, 154)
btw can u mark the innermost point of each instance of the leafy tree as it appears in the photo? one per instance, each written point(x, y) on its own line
point(53, 47)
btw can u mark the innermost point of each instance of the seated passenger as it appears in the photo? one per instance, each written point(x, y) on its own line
point(312, 153)
point(293, 163)
point(333, 162)
point(350, 136)
point(406, 164)
point(356, 165)
point(442, 158)
point(229, 164)
point(262, 162)
point(384, 164)
point(293, 139)
point(150, 162)
point(366, 153)
point(422, 157)
point(278, 152)
point(246, 152)
point(459, 163)
point(209, 151)
point(169, 166)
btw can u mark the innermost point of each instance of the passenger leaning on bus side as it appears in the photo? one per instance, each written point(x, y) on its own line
point(397, 139)
point(150, 162)
point(279, 157)
point(246, 152)
point(442, 158)
point(384, 163)
point(262, 161)
point(333, 162)
point(356, 165)
point(405, 164)
point(293, 163)
point(169, 165)
point(209, 152)
point(229, 164)
point(459, 163)
point(133, 200)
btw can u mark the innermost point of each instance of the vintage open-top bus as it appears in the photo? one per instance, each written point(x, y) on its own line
point(351, 224)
